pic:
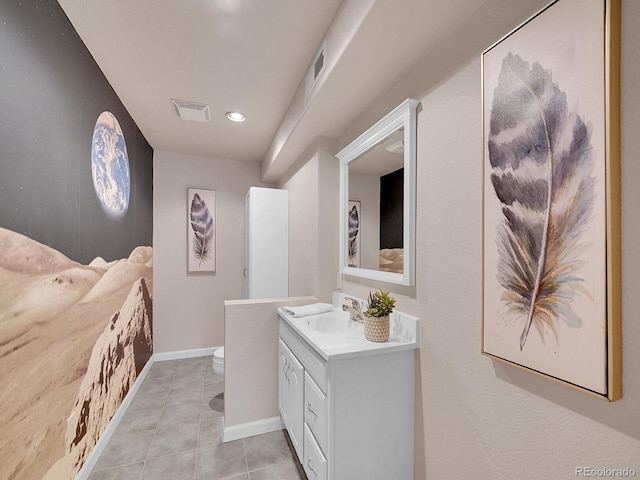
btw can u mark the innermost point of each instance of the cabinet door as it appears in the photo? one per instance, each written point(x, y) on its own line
point(291, 395)
point(267, 239)
point(283, 365)
point(295, 406)
point(246, 272)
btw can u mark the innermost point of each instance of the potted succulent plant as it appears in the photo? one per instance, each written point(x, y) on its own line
point(376, 318)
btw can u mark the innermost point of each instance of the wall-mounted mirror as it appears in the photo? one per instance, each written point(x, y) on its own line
point(378, 199)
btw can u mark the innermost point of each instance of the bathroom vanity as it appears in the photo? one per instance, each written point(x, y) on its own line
point(347, 403)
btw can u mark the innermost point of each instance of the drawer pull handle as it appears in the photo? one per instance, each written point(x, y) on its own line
point(315, 474)
point(311, 409)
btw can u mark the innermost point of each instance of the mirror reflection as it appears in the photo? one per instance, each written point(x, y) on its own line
point(378, 199)
point(376, 190)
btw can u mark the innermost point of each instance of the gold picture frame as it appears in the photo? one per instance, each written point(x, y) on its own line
point(551, 287)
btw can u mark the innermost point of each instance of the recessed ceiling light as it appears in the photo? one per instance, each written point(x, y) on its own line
point(236, 116)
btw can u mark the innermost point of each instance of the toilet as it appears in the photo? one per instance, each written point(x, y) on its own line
point(218, 361)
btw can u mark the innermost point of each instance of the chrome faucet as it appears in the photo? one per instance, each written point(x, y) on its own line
point(352, 306)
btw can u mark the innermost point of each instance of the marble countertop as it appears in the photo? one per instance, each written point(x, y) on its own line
point(334, 335)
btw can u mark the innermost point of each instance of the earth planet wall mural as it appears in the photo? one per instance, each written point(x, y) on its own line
point(110, 166)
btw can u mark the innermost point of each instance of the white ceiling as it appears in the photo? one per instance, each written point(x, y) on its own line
point(252, 56)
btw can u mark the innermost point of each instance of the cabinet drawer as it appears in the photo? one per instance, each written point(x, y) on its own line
point(315, 463)
point(316, 411)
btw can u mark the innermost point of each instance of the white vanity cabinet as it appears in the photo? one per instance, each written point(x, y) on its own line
point(348, 416)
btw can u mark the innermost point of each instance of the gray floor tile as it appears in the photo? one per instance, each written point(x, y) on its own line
point(155, 384)
point(210, 432)
point(192, 394)
point(139, 420)
point(186, 412)
point(188, 379)
point(125, 448)
point(212, 401)
point(175, 439)
point(179, 466)
point(281, 471)
point(268, 449)
point(188, 368)
point(124, 472)
point(221, 461)
point(211, 377)
point(153, 400)
point(187, 361)
point(211, 390)
point(162, 369)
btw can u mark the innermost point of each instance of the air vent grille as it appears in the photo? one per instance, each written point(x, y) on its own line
point(197, 112)
point(315, 72)
point(319, 65)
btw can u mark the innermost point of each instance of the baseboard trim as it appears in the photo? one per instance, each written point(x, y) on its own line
point(97, 450)
point(249, 429)
point(198, 352)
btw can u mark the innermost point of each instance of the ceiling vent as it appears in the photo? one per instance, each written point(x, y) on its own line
point(198, 112)
point(396, 147)
point(315, 71)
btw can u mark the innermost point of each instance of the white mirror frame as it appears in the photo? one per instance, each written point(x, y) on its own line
point(404, 115)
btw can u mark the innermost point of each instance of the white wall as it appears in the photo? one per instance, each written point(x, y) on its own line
point(328, 223)
point(313, 224)
point(251, 361)
point(477, 418)
point(303, 229)
point(188, 311)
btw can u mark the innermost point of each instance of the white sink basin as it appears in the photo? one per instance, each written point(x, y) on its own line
point(330, 324)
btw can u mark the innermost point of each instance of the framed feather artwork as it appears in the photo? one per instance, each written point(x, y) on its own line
point(551, 196)
point(201, 231)
point(354, 234)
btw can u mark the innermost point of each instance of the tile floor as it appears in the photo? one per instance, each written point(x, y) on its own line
point(172, 431)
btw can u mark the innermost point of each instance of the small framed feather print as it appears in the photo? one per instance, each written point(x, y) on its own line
point(551, 197)
point(353, 254)
point(201, 231)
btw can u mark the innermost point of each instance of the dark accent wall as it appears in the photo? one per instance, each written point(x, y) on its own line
point(51, 94)
point(391, 204)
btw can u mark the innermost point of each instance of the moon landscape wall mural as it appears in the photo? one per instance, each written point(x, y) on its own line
point(76, 258)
